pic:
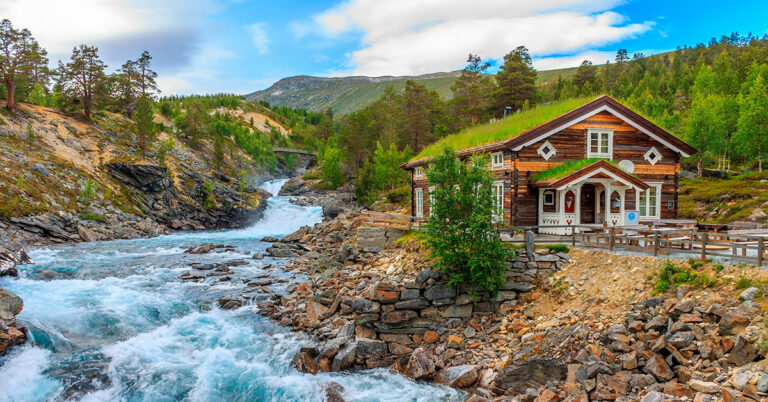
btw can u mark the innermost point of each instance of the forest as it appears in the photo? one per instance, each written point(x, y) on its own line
point(713, 95)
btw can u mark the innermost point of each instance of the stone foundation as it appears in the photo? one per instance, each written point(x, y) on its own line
point(391, 319)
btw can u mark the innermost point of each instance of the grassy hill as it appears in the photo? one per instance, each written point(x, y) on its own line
point(348, 94)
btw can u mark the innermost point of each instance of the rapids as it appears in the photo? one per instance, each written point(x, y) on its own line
point(112, 321)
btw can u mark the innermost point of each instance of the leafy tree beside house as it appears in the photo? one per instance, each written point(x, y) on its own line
point(462, 232)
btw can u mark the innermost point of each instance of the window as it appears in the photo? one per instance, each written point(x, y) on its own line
point(497, 159)
point(431, 197)
point(549, 197)
point(498, 200)
point(599, 143)
point(419, 202)
point(547, 151)
point(418, 173)
point(653, 156)
point(649, 202)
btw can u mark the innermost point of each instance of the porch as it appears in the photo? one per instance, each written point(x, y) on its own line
point(595, 194)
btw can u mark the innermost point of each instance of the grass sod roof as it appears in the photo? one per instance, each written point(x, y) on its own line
point(503, 129)
point(562, 170)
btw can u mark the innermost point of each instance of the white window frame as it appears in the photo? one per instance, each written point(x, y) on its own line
point(549, 192)
point(419, 201)
point(498, 200)
point(500, 162)
point(552, 150)
point(650, 160)
point(418, 173)
point(431, 198)
point(600, 132)
point(654, 185)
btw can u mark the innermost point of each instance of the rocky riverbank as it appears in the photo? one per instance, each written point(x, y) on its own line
point(564, 327)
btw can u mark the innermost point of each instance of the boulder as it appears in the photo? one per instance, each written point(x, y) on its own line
point(458, 376)
point(304, 361)
point(421, 365)
point(333, 392)
point(370, 348)
point(440, 291)
point(532, 373)
point(609, 387)
point(344, 358)
point(733, 322)
point(706, 387)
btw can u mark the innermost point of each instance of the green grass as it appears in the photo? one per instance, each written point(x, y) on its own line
point(503, 129)
point(671, 275)
point(93, 217)
point(723, 200)
point(564, 169)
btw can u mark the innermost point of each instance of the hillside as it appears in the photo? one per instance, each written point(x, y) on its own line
point(348, 94)
point(65, 179)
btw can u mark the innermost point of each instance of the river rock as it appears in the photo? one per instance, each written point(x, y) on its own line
point(304, 360)
point(458, 376)
point(333, 392)
point(206, 248)
point(421, 365)
point(10, 333)
point(344, 358)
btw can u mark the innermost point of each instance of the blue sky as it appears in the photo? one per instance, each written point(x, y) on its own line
point(206, 46)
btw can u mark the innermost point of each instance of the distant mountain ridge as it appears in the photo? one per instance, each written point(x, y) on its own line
point(345, 95)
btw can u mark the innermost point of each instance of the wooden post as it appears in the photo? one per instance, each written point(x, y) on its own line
point(656, 243)
point(612, 238)
point(760, 250)
point(704, 246)
point(573, 237)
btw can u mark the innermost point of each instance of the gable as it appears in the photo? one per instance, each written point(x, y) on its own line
point(603, 105)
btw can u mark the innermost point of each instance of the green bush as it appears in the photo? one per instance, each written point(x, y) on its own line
point(400, 195)
point(461, 232)
point(331, 167)
point(743, 283)
point(671, 275)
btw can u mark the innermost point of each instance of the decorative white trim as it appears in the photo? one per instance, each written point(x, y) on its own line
point(546, 155)
point(418, 173)
point(594, 112)
point(500, 156)
point(649, 156)
point(600, 132)
point(593, 173)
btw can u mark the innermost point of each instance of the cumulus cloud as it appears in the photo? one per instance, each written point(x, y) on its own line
point(121, 29)
point(406, 37)
point(259, 37)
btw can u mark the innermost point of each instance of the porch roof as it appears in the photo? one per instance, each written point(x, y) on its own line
point(600, 169)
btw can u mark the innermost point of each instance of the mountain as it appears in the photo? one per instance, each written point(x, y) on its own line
point(348, 94)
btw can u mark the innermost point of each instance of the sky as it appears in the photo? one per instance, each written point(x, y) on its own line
point(240, 46)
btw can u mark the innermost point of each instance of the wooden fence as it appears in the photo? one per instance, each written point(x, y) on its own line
point(744, 245)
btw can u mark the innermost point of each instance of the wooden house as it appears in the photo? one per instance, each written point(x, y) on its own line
point(599, 163)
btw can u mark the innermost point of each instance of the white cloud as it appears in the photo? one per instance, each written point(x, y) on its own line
point(555, 62)
point(406, 37)
point(259, 37)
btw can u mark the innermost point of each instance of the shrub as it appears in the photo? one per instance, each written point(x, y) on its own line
point(209, 201)
point(461, 231)
point(331, 167)
point(743, 283)
point(399, 195)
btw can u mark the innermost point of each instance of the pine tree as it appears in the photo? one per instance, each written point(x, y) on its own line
point(145, 126)
point(471, 90)
point(83, 76)
point(516, 82)
point(21, 59)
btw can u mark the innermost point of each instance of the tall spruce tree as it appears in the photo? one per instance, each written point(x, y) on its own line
point(471, 91)
point(516, 82)
point(145, 126)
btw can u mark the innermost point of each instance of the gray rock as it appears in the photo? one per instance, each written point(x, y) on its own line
point(749, 294)
point(653, 396)
point(370, 348)
point(420, 365)
point(344, 358)
point(681, 339)
point(440, 291)
point(39, 168)
point(455, 311)
point(741, 379)
point(762, 383)
point(459, 376)
point(413, 304)
point(519, 287)
point(409, 294)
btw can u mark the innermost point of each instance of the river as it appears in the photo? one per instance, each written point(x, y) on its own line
point(112, 321)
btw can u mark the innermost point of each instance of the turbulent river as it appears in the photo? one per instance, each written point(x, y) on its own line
point(113, 321)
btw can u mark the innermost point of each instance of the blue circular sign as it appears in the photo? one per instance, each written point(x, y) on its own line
point(631, 216)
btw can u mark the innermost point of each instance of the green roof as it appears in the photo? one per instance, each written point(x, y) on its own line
point(560, 171)
point(503, 129)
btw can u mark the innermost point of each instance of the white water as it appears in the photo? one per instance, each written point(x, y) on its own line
point(112, 321)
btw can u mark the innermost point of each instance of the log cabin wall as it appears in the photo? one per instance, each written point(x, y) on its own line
point(629, 143)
